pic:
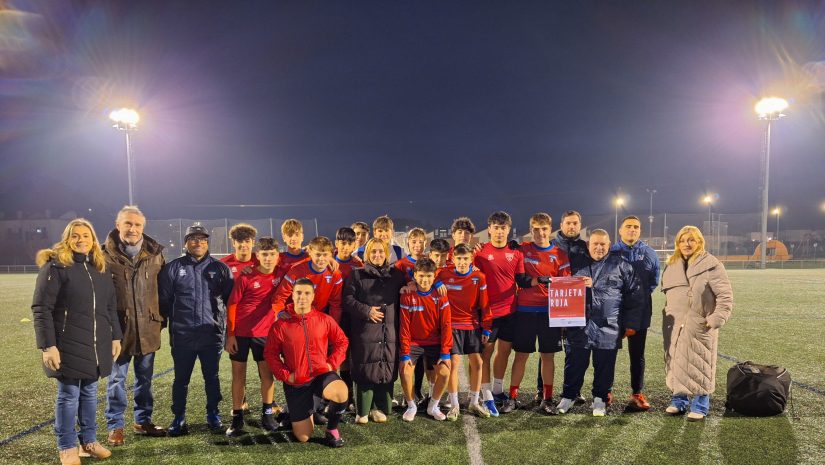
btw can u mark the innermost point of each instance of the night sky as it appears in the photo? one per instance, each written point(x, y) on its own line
point(425, 110)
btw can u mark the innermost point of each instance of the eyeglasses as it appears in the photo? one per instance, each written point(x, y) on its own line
point(198, 239)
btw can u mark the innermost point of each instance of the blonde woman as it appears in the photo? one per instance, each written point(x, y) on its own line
point(76, 326)
point(698, 301)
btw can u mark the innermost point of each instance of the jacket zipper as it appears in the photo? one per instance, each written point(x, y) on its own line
point(94, 314)
point(306, 337)
point(65, 319)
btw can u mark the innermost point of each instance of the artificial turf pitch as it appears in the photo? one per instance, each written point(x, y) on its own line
point(778, 318)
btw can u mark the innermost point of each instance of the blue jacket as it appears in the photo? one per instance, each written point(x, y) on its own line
point(193, 296)
point(613, 304)
point(576, 250)
point(646, 265)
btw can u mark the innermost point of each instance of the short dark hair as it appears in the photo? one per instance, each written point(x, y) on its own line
point(571, 213)
point(439, 245)
point(462, 249)
point(242, 231)
point(424, 265)
point(631, 217)
point(304, 282)
point(463, 224)
point(345, 235)
point(267, 243)
point(500, 217)
point(362, 225)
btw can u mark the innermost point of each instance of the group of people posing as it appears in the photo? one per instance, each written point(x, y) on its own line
point(339, 322)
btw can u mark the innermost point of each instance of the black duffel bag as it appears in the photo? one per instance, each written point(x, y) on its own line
point(758, 390)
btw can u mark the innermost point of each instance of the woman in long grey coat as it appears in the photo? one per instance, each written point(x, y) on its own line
point(698, 301)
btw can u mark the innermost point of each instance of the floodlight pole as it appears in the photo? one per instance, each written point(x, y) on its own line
point(765, 178)
point(129, 166)
point(650, 218)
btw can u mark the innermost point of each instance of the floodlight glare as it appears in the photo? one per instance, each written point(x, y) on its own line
point(771, 107)
point(707, 199)
point(125, 118)
point(776, 211)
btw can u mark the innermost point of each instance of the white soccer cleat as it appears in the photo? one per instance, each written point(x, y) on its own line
point(453, 414)
point(409, 414)
point(599, 407)
point(437, 414)
point(565, 405)
point(478, 410)
point(378, 416)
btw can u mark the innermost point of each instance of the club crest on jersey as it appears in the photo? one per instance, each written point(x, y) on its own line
point(211, 274)
point(182, 272)
point(275, 281)
point(234, 269)
point(509, 256)
point(256, 285)
point(490, 257)
point(475, 281)
point(452, 280)
point(328, 278)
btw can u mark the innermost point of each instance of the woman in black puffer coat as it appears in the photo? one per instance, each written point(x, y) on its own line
point(371, 296)
point(76, 325)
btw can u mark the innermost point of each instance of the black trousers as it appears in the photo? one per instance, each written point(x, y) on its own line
point(636, 349)
point(576, 362)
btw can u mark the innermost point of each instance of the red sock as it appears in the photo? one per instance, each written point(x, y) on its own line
point(513, 392)
point(548, 391)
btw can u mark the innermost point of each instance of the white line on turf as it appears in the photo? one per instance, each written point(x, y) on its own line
point(469, 424)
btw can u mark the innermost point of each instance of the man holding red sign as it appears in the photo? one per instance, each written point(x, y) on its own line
point(614, 298)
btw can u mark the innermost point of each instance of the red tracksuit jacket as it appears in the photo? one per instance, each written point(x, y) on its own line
point(300, 344)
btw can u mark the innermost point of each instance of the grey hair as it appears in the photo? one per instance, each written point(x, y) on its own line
point(600, 232)
point(129, 209)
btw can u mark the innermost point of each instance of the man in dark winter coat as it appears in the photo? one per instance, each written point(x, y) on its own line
point(134, 259)
point(614, 297)
point(193, 291)
point(645, 264)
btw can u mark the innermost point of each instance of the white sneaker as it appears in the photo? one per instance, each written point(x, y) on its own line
point(437, 414)
point(453, 414)
point(599, 407)
point(378, 416)
point(478, 410)
point(409, 414)
point(564, 405)
point(395, 402)
point(359, 420)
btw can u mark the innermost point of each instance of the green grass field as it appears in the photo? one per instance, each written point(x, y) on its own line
point(778, 318)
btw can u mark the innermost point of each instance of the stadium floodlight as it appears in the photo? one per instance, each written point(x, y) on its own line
point(126, 120)
point(618, 202)
point(771, 108)
point(768, 109)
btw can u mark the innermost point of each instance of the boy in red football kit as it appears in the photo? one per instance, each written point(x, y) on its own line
point(328, 284)
point(542, 262)
point(416, 241)
point(462, 231)
point(248, 318)
point(425, 330)
point(439, 249)
point(303, 350)
point(471, 323)
point(345, 244)
point(292, 232)
point(503, 266)
point(243, 240)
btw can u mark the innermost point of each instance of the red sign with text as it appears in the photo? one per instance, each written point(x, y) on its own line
point(565, 302)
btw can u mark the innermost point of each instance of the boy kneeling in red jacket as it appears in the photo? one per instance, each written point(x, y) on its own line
point(298, 352)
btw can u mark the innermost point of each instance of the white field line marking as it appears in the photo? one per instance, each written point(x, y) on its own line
point(469, 423)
